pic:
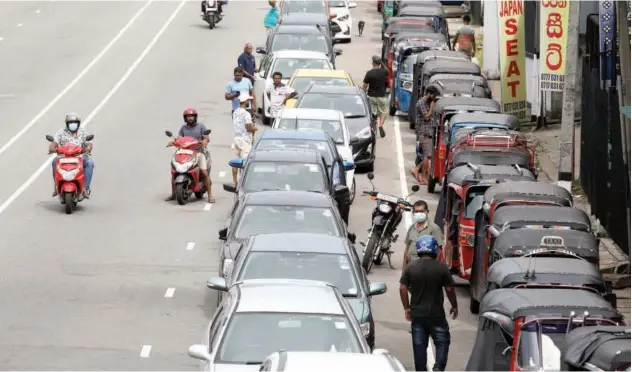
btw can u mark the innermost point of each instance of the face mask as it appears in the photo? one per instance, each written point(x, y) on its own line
point(73, 127)
point(420, 217)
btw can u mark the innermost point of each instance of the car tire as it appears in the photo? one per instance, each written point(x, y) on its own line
point(352, 191)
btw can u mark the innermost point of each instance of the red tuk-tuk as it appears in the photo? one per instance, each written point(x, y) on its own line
point(444, 109)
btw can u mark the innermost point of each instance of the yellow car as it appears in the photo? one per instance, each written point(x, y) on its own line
point(302, 79)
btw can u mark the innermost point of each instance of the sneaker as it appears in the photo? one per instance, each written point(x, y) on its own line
point(382, 132)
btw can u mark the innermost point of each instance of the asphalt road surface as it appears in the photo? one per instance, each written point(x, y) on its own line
point(119, 285)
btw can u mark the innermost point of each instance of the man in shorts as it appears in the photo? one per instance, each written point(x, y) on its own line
point(376, 86)
point(243, 129)
point(423, 126)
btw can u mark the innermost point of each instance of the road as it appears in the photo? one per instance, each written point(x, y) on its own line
point(119, 285)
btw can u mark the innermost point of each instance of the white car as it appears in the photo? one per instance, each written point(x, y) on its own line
point(317, 361)
point(285, 62)
point(331, 122)
point(343, 17)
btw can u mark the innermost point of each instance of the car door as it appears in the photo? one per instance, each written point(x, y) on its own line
point(262, 76)
point(219, 320)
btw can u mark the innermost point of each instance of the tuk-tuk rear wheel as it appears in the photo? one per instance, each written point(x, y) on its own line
point(432, 182)
point(474, 306)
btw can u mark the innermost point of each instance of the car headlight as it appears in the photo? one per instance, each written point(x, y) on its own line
point(384, 208)
point(68, 175)
point(183, 167)
point(227, 267)
point(344, 18)
point(364, 133)
point(366, 329)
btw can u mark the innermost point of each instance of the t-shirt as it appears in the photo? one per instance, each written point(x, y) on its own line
point(196, 131)
point(241, 117)
point(277, 96)
point(425, 280)
point(242, 86)
point(247, 62)
point(376, 79)
point(413, 234)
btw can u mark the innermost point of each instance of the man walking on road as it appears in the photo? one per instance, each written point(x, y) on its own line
point(426, 279)
point(465, 38)
point(243, 129)
point(376, 85)
point(247, 62)
point(237, 86)
point(421, 226)
point(423, 126)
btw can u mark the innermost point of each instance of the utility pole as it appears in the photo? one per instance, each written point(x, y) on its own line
point(567, 135)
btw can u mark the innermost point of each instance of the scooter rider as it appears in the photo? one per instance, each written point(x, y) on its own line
point(219, 7)
point(76, 135)
point(192, 128)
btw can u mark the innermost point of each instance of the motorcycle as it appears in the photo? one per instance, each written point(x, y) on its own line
point(211, 13)
point(386, 217)
point(185, 173)
point(69, 176)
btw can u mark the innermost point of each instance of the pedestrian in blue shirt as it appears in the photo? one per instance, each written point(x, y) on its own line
point(238, 86)
point(247, 62)
point(272, 17)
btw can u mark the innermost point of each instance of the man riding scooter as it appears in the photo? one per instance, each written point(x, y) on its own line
point(192, 128)
point(219, 7)
point(75, 135)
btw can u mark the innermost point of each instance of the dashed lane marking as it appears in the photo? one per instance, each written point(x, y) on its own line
point(190, 246)
point(170, 292)
point(145, 351)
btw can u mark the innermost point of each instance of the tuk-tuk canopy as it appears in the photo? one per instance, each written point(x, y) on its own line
point(480, 80)
point(486, 118)
point(420, 10)
point(417, 36)
point(496, 136)
point(414, 44)
point(485, 174)
point(512, 271)
point(430, 55)
point(460, 89)
point(492, 156)
point(448, 66)
point(528, 191)
point(466, 104)
point(526, 241)
point(396, 28)
point(436, 4)
point(399, 24)
point(545, 215)
point(605, 347)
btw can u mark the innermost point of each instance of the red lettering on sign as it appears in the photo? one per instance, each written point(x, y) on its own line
point(514, 87)
point(510, 8)
point(554, 56)
point(510, 26)
point(512, 47)
point(513, 69)
point(554, 26)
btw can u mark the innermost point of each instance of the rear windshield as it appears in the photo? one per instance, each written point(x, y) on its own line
point(310, 42)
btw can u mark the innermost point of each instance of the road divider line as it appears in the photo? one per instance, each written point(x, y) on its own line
point(145, 351)
point(170, 292)
point(207, 207)
point(221, 174)
point(105, 100)
point(403, 183)
point(20, 24)
point(190, 246)
point(74, 82)
point(38, 11)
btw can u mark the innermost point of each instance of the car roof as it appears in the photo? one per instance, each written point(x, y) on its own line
point(333, 89)
point(304, 113)
point(288, 296)
point(311, 72)
point(285, 134)
point(300, 54)
point(298, 30)
point(298, 242)
point(289, 198)
point(306, 360)
point(304, 17)
point(286, 155)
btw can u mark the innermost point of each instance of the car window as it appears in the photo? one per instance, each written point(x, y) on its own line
point(332, 127)
point(270, 176)
point(337, 173)
point(331, 268)
point(215, 326)
point(304, 6)
point(251, 337)
point(320, 146)
point(287, 66)
point(338, 3)
point(267, 219)
point(310, 42)
point(351, 105)
point(265, 65)
point(301, 83)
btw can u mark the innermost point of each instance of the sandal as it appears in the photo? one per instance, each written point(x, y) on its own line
point(211, 201)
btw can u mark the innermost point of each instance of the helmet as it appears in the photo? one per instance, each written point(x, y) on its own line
point(72, 118)
point(188, 112)
point(427, 244)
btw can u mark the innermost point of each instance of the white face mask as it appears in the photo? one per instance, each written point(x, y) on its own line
point(420, 217)
point(73, 127)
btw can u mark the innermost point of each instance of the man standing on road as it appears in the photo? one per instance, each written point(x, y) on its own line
point(237, 86)
point(247, 62)
point(243, 129)
point(421, 226)
point(278, 93)
point(423, 126)
point(426, 279)
point(465, 38)
point(375, 86)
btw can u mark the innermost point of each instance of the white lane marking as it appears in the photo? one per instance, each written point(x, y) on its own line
point(91, 116)
point(38, 11)
point(1, 38)
point(146, 349)
point(170, 292)
point(20, 24)
point(61, 94)
point(404, 191)
point(207, 206)
point(190, 246)
point(222, 174)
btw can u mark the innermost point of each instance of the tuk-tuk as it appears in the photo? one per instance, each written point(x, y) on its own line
point(461, 198)
point(444, 109)
point(525, 329)
point(388, 41)
point(599, 348)
point(402, 42)
point(460, 89)
point(459, 67)
point(426, 9)
point(479, 81)
point(399, 4)
point(407, 24)
point(481, 121)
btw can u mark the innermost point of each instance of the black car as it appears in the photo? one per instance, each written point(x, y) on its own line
point(274, 212)
point(306, 256)
point(300, 37)
point(309, 19)
point(354, 104)
point(293, 170)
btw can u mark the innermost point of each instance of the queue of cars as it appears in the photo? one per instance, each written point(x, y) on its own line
point(531, 258)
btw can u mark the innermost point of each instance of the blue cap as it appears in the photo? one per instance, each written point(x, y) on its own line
point(427, 244)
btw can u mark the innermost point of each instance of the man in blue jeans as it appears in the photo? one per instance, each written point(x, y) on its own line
point(426, 279)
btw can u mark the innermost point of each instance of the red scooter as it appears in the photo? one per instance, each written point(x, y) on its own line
point(69, 177)
point(185, 173)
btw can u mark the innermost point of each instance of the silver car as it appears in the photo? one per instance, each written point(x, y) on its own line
point(305, 361)
point(259, 317)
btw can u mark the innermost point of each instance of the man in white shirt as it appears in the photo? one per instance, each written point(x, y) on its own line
point(243, 128)
point(278, 93)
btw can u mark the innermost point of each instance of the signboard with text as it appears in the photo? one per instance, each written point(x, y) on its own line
point(553, 30)
point(512, 59)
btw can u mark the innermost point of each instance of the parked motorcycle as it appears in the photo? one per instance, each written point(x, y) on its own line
point(185, 173)
point(386, 217)
point(211, 13)
point(69, 176)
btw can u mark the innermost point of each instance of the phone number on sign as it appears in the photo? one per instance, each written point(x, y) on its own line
point(518, 109)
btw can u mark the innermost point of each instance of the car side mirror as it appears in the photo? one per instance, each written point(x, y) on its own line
point(341, 190)
point(217, 283)
point(261, 50)
point(230, 188)
point(377, 288)
point(352, 237)
point(415, 188)
point(352, 5)
point(380, 352)
point(89, 137)
point(348, 165)
point(337, 51)
point(50, 138)
point(199, 352)
point(236, 163)
point(168, 133)
point(354, 141)
point(370, 176)
point(223, 234)
point(206, 132)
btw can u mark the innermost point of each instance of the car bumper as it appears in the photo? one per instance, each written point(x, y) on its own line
point(364, 151)
point(346, 27)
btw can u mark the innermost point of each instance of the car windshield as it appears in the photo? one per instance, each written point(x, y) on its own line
point(310, 42)
point(268, 219)
point(337, 3)
point(332, 127)
point(330, 268)
point(287, 66)
point(351, 105)
point(304, 6)
point(300, 84)
point(408, 64)
point(473, 203)
point(269, 176)
point(251, 337)
point(277, 144)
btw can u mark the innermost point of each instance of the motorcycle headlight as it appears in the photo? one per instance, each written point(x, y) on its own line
point(366, 329)
point(364, 133)
point(228, 267)
point(384, 208)
point(68, 175)
point(211, 3)
point(344, 18)
point(183, 167)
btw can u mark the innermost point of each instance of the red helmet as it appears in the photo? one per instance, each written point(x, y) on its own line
point(188, 112)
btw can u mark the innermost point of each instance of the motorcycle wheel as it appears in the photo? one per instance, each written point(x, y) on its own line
point(378, 258)
point(180, 197)
point(211, 21)
point(69, 202)
point(371, 246)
